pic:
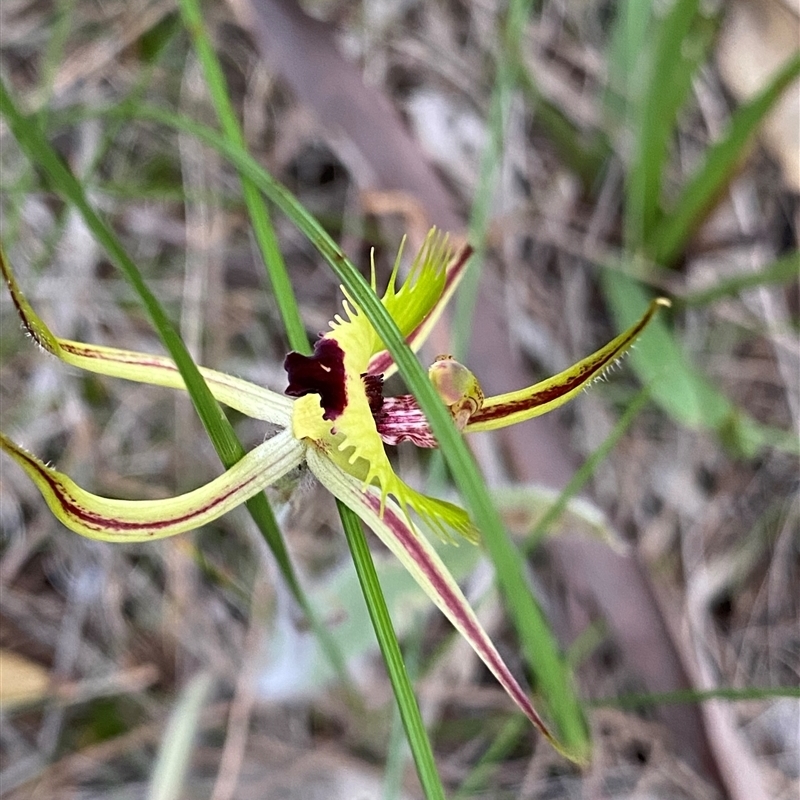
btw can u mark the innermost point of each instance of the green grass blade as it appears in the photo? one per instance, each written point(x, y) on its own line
point(396, 750)
point(259, 216)
point(505, 741)
point(677, 47)
point(625, 54)
point(390, 650)
point(782, 270)
point(467, 296)
point(491, 159)
point(40, 153)
point(552, 674)
point(298, 340)
point(585, 472)
point(696, 696)
point(177, 743)
point(721, 160)
point(53, 55)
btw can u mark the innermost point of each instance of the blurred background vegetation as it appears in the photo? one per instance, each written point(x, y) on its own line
point(595, 154)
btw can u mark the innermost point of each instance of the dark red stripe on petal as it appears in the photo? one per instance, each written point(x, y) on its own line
point(454, 604)
point(322, 373)
point(543, 397)
point(16, 293)
point(87, 351)
point(380, 363)
point(101, 522)
point(456, 265)
point(561, 388)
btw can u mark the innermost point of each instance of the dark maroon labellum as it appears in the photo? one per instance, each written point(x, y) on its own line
point(322, 374)
point(373, 385)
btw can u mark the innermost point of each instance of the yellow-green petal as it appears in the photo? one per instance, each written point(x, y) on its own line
point(423, 286)
point(408, 306)
point(508, 409)
point(248, 398)
point(390, 524)
point(442, 276)
point(145, 520)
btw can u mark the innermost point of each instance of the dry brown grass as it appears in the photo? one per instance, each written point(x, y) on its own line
point(121, 629)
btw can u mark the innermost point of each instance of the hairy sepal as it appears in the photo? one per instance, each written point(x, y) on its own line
point(243, 396)
point(145, 520)
point(508, 409)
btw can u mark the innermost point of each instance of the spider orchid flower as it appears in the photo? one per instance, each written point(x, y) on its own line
point(334, 419)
